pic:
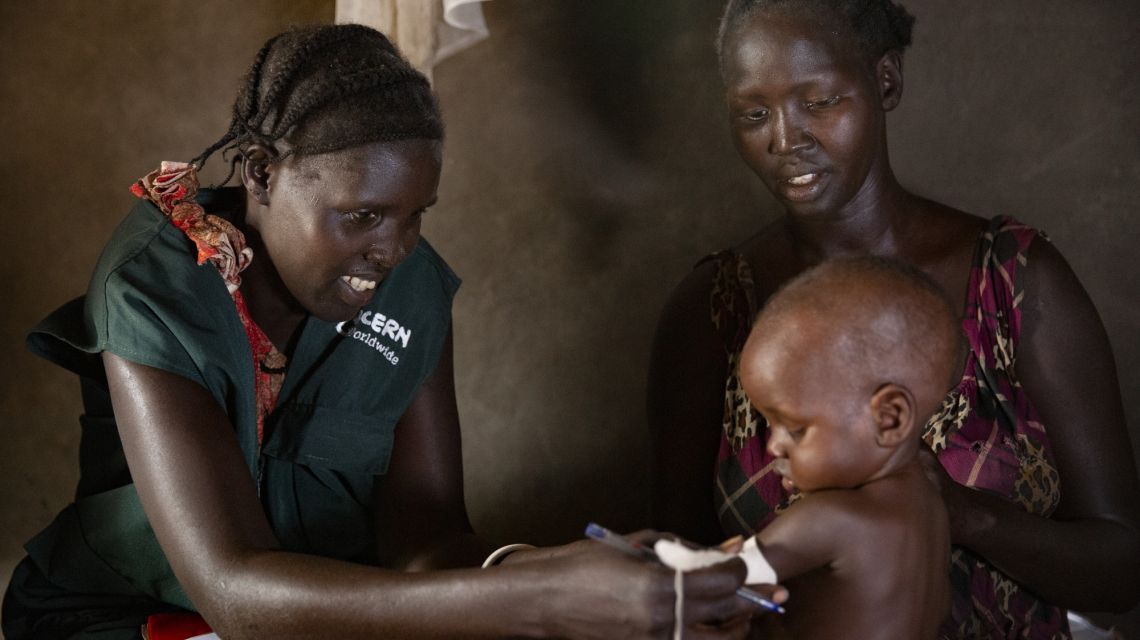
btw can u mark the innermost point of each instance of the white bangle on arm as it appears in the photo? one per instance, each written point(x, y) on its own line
point(502, 552)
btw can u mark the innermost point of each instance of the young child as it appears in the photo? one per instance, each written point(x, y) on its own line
point(847, 362)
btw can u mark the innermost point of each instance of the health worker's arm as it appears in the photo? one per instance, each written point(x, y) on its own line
point(201, 501)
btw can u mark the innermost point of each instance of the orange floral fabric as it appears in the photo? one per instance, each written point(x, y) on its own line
point(172, 188)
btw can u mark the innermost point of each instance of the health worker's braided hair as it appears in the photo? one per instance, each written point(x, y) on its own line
point(329, 87)
point(878, 26)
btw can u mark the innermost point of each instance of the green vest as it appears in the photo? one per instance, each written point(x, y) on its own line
point(329, 437)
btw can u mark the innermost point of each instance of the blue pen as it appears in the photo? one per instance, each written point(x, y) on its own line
point(634, 548)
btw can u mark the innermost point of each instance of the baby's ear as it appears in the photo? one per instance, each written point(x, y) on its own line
point(892, 411)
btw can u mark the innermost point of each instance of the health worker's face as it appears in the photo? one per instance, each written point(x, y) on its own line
point(337, 223)
point(807, 113)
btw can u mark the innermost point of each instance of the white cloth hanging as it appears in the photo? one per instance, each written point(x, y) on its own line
point(426, 31)
point(463, 25)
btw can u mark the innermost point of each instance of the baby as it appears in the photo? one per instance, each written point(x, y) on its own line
point(846, 363)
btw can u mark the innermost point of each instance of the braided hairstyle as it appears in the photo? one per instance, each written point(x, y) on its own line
point(329, 87)
point(877, 26)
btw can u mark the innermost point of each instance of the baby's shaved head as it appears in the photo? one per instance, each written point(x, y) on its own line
point(877, 321)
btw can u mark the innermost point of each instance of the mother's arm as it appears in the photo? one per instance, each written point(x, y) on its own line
point(1087, 556)
point(686, 403)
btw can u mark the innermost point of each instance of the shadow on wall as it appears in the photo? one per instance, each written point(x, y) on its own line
point(575, 194)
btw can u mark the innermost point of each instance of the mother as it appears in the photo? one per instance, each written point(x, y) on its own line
point(1036, 468)
point(270, 432)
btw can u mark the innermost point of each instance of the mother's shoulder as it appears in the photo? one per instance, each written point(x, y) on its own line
point(943, 221)
point(939, 236)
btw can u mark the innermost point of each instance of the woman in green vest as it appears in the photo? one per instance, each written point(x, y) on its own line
point(270, 436)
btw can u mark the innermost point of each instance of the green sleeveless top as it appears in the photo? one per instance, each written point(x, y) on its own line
point(329, 437)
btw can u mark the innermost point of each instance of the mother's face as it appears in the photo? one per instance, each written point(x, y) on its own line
point(335, 224)
point(807, 111)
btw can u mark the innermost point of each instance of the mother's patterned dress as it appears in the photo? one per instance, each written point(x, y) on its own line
point(987, 433)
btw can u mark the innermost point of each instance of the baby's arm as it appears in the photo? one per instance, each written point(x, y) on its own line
point(807, 536)
point(802, 539)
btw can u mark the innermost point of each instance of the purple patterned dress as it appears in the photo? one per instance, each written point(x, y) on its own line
point(987, 434)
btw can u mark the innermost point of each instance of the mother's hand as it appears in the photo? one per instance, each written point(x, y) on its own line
point(964, 521)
